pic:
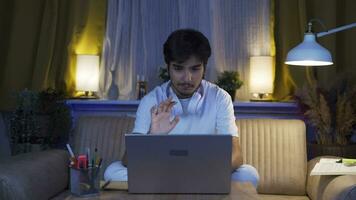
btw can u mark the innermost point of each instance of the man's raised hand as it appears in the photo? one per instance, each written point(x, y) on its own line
point(160, 117)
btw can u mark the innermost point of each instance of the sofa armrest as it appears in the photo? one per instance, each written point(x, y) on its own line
point(329, 186)
point(341, 187)
point(38, 175)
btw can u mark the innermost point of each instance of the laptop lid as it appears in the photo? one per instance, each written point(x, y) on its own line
point(179, 163)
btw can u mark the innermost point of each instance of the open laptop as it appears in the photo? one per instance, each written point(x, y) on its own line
point(178, 163)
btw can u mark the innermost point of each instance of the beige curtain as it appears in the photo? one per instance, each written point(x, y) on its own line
point(291, 18)
point(40, 41)
point(289, 27)
point(136, 31)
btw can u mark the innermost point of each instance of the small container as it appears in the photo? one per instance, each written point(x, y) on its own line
point(85, 182)
point(141, 89)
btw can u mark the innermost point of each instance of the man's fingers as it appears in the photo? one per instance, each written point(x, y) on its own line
point(168, 101)
point(170, 106)
point(175, 121)
point(161, 107)
point(165, 105)
point(154, 110)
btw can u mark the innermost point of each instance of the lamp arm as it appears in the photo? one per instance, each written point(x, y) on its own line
point(334, 30)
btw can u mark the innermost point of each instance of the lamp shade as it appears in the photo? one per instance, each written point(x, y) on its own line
point(309, 53)
point(87, 74)
point(261, 74)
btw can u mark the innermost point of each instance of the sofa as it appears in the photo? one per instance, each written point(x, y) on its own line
point(4, 138)
point(276, 147)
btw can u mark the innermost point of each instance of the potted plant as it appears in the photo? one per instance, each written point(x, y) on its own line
point(332, 115)
point(40, 121)
point(53, 106)
point(163, 74)
point(23, 127)
point(230, 82)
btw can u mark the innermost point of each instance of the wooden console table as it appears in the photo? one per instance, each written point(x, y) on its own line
point(280, 110)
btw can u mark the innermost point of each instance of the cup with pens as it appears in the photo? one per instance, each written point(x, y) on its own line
point(84, 173)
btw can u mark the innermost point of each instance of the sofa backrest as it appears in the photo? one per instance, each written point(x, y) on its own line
point(106, 133)
point(277, 148)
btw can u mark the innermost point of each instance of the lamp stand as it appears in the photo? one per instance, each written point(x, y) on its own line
point(261, 97)
point(88, 95)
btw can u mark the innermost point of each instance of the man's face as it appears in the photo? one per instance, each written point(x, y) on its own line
point(186, 76)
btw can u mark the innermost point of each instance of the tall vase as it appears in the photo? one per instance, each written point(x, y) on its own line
point(113, 91)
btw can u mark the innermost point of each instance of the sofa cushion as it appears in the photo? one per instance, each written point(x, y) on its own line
point(37, 176)
point(277, 148)
point(106, 133)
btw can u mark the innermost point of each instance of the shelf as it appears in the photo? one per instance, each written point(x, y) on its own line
point(243, 109)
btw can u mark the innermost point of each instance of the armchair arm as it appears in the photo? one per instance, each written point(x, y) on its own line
point(329, 186)
point(38, 175)
point(341, 187)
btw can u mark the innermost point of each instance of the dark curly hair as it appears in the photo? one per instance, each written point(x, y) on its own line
point(183, 43)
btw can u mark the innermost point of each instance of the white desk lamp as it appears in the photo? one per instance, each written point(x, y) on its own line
point(87, 75)
point(309, 52)
point(261, 78)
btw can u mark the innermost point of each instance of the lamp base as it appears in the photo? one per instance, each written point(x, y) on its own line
point(87, 95)
point(261, 97)
point(261, 100)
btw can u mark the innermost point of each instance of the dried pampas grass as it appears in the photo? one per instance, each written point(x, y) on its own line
point(333, 123)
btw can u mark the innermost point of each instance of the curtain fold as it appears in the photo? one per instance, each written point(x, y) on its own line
point(290, 21)
point(6, 10)
point(137, 29)
point(42, 40)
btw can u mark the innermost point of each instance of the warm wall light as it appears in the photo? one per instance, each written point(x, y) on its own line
point(87, 75)
point(261, 77)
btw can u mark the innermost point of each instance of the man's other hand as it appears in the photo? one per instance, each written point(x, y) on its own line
point(160, 115)
point(237, 160)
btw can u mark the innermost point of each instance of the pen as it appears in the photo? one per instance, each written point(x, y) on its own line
point(94, 159)
point(70, 151)
point(72, 158)
point(73, 161)
point(88, 158)
point(100, 161)
point(105, 184)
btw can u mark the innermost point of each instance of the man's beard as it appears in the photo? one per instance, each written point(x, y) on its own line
point(182, 93)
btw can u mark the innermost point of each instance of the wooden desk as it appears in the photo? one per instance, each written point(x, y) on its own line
point(239, 191)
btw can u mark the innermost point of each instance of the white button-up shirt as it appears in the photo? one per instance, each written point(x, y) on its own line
point(209, 111)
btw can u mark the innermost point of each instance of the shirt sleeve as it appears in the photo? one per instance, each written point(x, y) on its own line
point(143, 115)
point(225, 121)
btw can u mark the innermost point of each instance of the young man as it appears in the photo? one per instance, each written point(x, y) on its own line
point(187, 104)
